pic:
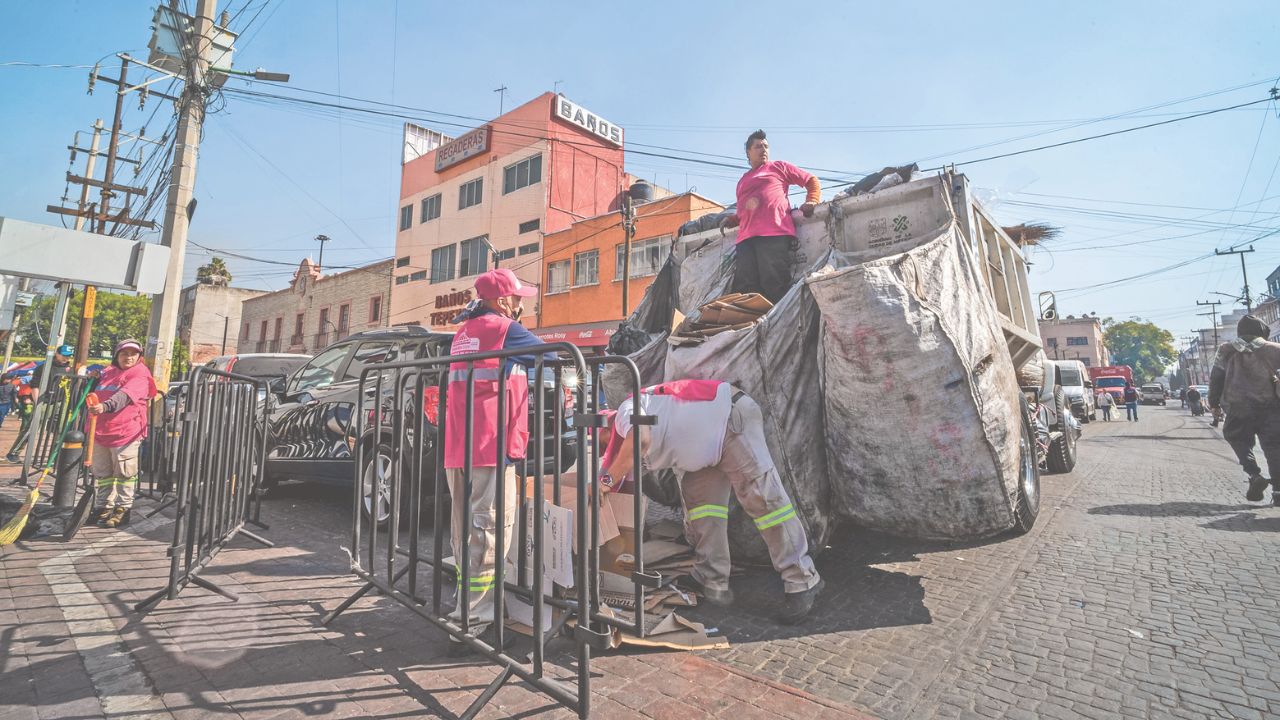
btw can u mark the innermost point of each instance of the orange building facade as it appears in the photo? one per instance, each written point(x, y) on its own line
point(583, 265)
point(496, 191)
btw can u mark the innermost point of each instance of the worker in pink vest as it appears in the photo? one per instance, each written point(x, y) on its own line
point(490, 325)
point(714, 434)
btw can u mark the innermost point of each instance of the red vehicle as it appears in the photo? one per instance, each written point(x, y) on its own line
point(1111, 378)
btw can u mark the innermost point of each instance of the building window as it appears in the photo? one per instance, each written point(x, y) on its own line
point(297, 327)
point(279, 328)
point(586, 268)
point(471, 193)
point(1077, 341)
point(558, 277)
point(375, 309)
point(401, 262)
point(442, 263)
point(344, 317)
point(262, 332)
point(430, 208)
point(406, 217)
point(507, 254)
point(521, 175)
point(245, 334)
point(474, 256)
point(647, 257)
point(402, 279)
point(324, 321)
point(419, 275)
point(1052, 342)
point(530, 226)
point(529, 249)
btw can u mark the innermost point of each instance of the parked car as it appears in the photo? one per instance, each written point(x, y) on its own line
point(271, 367)
point(1078, 389)
point(1152, 394)
point(311, 429)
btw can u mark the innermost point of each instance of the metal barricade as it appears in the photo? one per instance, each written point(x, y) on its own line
point(56, 405)
point(160, 461)
point(399, 440)
point(221, 454)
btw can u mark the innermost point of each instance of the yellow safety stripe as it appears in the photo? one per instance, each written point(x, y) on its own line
point(704, 511)
point(776, 517)
point(107, 483)
point(480, 583)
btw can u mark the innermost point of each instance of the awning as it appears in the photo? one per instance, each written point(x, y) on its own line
point(595, 334)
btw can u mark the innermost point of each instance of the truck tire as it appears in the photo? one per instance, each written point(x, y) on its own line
point(1026, 500)
point(1062, 452)
point(1060, 408)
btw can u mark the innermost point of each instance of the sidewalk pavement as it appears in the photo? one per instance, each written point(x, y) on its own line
point(74, 648)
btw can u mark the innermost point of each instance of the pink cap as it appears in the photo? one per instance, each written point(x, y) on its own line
point(501, 283)
point(127, 345)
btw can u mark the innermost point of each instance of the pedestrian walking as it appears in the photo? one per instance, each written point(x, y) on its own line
point(714, 434)
point(125, 390)
point(1194, 400)
point(490, 325)
point(59, 370)
point(1130, 401)
point(1106, 403)
point(1182, 396)
point(8, 395)
point(1244, 383)
point(766, 231)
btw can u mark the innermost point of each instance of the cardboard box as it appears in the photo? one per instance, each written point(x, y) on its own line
point(569, 501)
point(623, 507)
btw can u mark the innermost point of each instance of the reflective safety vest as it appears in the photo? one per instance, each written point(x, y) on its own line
point(483, 334)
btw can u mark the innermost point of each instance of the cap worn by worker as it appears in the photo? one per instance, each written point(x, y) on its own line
point(1253, 326)
point(66, 351)
point(501, 283)
point(127, 345)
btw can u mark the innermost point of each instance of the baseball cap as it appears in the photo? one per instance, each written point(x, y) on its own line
point(129, 344)
point(66, 351)
point(501, 282)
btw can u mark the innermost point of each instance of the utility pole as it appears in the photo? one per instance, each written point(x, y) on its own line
point(90, 292)
point(502, 96)
point(629, 231)
point(226, 320)
point(177, 219)
point(1213, 312)
point(322, 239)
point(1248, 299)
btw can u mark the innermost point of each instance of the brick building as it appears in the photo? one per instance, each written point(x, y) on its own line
point(209, 319)
point(316, 309)
point(1075, 338)
point(583, 265)
point(495, 191)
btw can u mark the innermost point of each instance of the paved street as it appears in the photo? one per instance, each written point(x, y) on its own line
point(1149, 588)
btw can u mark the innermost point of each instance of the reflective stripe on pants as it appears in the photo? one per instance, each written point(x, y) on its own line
point(746, 469)
point(480, 553)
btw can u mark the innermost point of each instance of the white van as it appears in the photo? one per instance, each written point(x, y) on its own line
point(1074, 379)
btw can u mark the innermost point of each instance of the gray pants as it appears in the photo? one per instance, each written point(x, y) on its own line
point(746, 468)
point(116, 472)
point(482, 558)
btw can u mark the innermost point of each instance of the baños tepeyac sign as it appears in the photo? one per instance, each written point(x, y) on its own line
point(575, 114)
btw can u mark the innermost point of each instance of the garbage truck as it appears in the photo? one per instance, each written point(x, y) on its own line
point(888, 373)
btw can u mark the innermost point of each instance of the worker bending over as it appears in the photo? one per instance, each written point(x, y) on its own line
point(714, 434)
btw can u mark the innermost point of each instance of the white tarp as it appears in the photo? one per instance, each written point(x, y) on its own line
point(889, 396)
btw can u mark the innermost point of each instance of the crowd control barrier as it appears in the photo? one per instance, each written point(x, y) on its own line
point(221, 457)
point(399, 439)
point(54, 408)
point(160, 461)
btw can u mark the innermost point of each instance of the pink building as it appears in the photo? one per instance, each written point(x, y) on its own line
point(497, 190)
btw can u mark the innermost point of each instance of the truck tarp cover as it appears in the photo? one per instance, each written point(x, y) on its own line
point(889, 395)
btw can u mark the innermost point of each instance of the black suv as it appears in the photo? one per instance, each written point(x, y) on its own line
point(310, 435)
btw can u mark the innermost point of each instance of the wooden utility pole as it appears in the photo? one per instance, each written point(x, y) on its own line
point(1248, 299)
point(191, 108)
point(1213, 312)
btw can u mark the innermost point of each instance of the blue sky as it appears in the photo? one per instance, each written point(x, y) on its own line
point(839, 86)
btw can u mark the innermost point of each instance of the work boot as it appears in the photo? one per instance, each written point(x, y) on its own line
point(488, 636)
point(720, 598)
point(11, 458)
point(119, 518)
point(1257, 484)
point(102, 516)
point(798, 605)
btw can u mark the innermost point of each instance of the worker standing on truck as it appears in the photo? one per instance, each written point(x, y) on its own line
point(490, 325)
point(1244, 381)
point(766, 232)
point(714, 433)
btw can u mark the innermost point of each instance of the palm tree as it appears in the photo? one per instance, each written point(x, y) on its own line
point(214, 273)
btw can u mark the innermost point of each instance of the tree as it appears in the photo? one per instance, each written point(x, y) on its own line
point(116, 317)
point(1143, 346)
point(215, 272)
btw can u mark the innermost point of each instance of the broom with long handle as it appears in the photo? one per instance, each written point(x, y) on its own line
point(89, 497)
point(12, 529)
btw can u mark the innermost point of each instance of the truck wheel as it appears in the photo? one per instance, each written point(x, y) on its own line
point(1026, 501)
point(1062, 452)
point(1060, 408)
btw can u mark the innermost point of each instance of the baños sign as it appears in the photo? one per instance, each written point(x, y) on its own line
point(575, 114)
